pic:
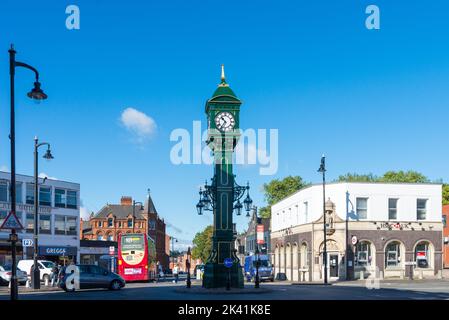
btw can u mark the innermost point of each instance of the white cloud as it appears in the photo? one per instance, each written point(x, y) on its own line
point(138, 123)
point(4, 168)
point(44, 175)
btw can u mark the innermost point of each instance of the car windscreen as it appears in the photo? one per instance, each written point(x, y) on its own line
point(48, 264)
point(7, 267)
point(262, 263)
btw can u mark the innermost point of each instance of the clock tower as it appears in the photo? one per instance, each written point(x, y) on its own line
point(222, 112)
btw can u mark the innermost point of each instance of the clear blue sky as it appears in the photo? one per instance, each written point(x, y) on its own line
point(370, 100)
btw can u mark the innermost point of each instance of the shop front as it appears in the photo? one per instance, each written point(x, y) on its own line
point(5, 252)
point(60, 254)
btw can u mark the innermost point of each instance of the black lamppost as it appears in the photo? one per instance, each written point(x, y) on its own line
point(37, 94)
point(322, 169)
point(36, 278)
point(134, 210)
point(189, 257)
point(173, 239)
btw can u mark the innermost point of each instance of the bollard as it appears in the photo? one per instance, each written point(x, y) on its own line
point(9, 285)
point(46, 281)
point(362, 275)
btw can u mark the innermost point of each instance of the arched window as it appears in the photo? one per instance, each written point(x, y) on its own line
point(100, 236)
point(110, 223)
point(422, 255)
point(393, 254)
point(110, 237)
point(363, 255)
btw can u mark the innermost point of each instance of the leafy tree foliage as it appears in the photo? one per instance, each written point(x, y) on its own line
point(202, 244)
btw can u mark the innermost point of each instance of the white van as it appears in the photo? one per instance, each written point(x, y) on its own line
point(45, 267)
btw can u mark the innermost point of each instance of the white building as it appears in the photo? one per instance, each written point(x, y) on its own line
point(383, 229)
point(59, 215)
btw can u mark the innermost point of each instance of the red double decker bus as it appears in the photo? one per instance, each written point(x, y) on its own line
point(136, 257)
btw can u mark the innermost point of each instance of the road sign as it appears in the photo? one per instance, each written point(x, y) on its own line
point(410, 263)
point(228, 262)
point(111, 250)
point(11, 222)
point(27, 242)
point(354, 240)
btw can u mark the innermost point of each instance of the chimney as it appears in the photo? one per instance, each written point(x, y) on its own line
point(126, 201)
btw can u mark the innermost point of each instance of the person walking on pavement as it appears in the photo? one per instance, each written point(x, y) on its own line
point(175, 273)
point(54, 274)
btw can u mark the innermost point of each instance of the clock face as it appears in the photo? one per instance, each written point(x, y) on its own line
point(224, 121)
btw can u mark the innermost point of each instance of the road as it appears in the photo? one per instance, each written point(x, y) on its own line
point(417, 290)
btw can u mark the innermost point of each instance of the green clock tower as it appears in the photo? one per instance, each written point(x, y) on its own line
point(223, 195)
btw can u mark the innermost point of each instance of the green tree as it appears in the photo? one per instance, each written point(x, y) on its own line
point(277, 190)
point(404, 176)
point(354, 177)
point(202, 244)
point(445, 193)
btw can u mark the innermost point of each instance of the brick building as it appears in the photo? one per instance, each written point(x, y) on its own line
point(446, 235)
point(115, 219)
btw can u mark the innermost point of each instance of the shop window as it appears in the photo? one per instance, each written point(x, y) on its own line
point(29, 193)
point(392, 209)
point(4, 190)
point(421, 209)
point(362, 208)
point(60, 199)
point(44, 224)
point(422, 255)
point(72, 201)
point(393, 255)
point(363, 254)
point(45, 196)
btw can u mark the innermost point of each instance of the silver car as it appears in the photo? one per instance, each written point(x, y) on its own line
point(6, 273)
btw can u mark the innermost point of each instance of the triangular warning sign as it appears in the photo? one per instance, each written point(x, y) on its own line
point(11, 222)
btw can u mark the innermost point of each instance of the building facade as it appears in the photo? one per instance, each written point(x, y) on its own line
point(373, 229)
point(59, 215)
point(115, 219)
point(446, 235)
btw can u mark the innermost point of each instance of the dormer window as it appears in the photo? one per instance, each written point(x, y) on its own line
point(130, 222)
point(110, 223)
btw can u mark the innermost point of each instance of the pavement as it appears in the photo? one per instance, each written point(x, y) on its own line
point(166, 290)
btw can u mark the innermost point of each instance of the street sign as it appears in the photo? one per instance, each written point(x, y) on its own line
point(111, 250)
point(11, 222)
point(228, 262)
point(27, 242)
point(410, 263)
point(260, 231)
point(354, 240)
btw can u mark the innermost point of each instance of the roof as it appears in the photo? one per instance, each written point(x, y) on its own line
point(119, 211)
point(149, 205)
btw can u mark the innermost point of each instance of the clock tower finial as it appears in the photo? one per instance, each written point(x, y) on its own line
point(223, 78)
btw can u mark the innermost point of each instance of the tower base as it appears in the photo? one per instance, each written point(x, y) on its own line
point(216, 275)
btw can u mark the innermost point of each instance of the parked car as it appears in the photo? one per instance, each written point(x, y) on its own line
point(6, 273)
point(45, 267)
point(92, 276)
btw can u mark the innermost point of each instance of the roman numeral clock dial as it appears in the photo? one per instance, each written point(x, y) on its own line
point(224, 121)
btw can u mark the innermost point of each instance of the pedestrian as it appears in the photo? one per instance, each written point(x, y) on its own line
point(54, 274)
point(175, 273)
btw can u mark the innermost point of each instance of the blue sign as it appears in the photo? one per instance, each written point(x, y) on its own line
point(228, 262)
point(27, 242)
point(57, 251)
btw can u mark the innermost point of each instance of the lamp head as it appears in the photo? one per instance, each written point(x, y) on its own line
point(48, 155)
point(37, 93)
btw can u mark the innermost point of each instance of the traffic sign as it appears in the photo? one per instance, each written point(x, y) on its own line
point(27, 242)
point(228, 262)
point(11, 222)
point(354, 240)
point(111, 250)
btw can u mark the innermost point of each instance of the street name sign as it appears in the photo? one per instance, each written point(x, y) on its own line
point(11, 222)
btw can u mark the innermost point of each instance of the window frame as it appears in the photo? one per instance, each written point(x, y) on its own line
point(395, 208)
point(423, 210)
point(358, 209)
point(45, 203)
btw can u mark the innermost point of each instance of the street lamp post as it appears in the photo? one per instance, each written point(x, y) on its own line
point(173, 239)
point(322, 169)
point(36, 278)
point(37, 94)
point(134, 210)
point(189, 257)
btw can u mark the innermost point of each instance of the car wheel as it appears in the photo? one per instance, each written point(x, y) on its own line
point(115, 285)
